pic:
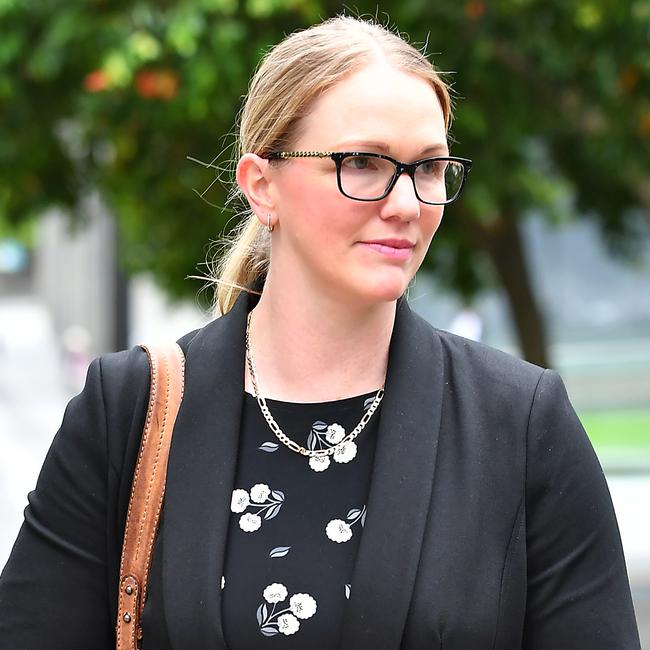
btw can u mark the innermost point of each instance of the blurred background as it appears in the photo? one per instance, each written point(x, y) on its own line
point(103, 217)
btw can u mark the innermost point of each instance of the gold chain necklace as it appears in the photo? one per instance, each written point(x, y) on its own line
point(284, 439)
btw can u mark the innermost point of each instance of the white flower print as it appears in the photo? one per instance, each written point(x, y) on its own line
point(335, 433)
point(268, 503)
point(239, 501)
point(340, 531)
point(319, 463)
point(302, 605)
point(288, 624)
point(275, 593)
point(345, 453)
point(260, 492)
point(328, 436)
point(249, 522)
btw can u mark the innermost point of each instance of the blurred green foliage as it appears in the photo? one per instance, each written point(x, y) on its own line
point(553, 106)
point(629, 428)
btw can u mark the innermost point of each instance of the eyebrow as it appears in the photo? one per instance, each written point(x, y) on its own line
point(438, 148)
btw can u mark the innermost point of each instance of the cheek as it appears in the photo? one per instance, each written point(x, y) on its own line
point(295, 193)
point(430, 222)
point(315, 210)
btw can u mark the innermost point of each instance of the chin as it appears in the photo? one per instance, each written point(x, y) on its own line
point(383, 291)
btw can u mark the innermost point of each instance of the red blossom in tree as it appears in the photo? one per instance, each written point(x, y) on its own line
point(157, 84)
point(95, 81)
point(474, 9)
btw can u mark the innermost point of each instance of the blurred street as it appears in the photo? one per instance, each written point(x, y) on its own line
point(32, 401)
point(36, 383)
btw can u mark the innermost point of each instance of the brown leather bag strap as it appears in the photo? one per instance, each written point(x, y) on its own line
point(167, 364)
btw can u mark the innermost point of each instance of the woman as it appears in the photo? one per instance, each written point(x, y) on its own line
point(459, 504)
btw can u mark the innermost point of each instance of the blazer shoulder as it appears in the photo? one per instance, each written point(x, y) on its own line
point(125, 379)
point(486, 360)
point(186, 340)
point(125, 376)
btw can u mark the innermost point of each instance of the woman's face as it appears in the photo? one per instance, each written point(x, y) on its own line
point(326, 238)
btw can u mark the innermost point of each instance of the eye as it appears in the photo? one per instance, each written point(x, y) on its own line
point(434, 168)
point(360, 163)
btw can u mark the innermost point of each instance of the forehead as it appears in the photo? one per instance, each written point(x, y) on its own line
point(378, 103)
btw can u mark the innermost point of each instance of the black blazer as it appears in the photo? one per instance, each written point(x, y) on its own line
point(488, 513)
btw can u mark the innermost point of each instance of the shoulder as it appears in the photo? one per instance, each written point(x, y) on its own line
point(126, 371)
point(469, 360)
point(502, 388)
point(486, 360)
point(482, 389)
point(502, 381)
point(121, 381)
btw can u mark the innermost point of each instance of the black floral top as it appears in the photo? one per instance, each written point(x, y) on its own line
point(295, 524)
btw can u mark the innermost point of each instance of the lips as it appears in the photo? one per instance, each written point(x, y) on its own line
point(395, 249)
point(392, 243)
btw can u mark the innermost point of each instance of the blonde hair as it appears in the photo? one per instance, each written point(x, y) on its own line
point(291, 75)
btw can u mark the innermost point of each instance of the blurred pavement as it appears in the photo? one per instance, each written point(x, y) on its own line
point(32, 401)
point(35, 387)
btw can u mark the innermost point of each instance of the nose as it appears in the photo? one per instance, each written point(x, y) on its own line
point(402, 203)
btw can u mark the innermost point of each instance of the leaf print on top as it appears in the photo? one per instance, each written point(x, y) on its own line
point(301, 606)
point(340, 531)
point(317, 438)
point(279, 551)
point(262, 497)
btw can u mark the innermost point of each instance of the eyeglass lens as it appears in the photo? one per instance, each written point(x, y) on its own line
point(367, 177)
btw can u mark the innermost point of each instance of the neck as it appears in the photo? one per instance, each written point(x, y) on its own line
point(311, 348)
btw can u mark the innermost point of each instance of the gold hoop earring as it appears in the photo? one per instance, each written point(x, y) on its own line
point(269, 227)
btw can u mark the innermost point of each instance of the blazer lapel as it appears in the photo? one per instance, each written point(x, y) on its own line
point(200, 480)
point(400, 491)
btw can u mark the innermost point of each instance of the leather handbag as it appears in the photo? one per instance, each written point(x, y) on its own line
point(167, 366)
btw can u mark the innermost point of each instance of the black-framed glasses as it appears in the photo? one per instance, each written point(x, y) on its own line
point(371, 176)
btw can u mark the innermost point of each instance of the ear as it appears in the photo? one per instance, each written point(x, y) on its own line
point(253, 179)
